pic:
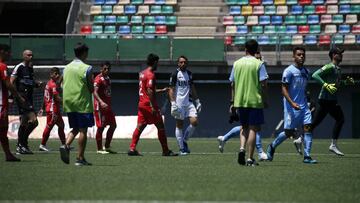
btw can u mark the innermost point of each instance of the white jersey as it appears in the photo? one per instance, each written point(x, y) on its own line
point(182, 81)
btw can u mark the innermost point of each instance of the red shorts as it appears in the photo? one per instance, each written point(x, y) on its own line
point(54, 119)
point(104, 118)
point(145, 115)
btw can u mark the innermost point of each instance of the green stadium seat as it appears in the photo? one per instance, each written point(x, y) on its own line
point(338, 19)
point(106, 9)
point(270, 29)
point(290, 20)
point(149, 29)
point(239, 20)
point(231, 2)
point(280, 29)
point(99, 19)
point(301, 19)
point(97, 29)
point(167, 9)
point(309, 9)
point(156, 9)
point(137, 2)
point(110, 29)
point(273, 39)
point(149, 20)
point(171, 20)
point(291, 2)
point(338, 39)
point(242, 2)
point(285, 40)
point(344, 1)
point(270, 10)
point(136, 20)
point(355, 9)
point(249, 37)
point(315, 29)
point(257, 29)
point(90, 36)
point(122, 19)
point(137, 29)
point(239, 40)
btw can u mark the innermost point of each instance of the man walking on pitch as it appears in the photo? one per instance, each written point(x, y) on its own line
point(77, 100)
point(296, 109)
point(103, 113)
point(148, 109)
point(182, 94)
point(249, 85)
point(329, 76)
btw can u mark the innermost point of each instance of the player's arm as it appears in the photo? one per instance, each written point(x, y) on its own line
point(285, 93)
point(89, 79)
point(98, 98)
point(13, 91)
point(317, 75)
point(263, 77)
point(165, 89)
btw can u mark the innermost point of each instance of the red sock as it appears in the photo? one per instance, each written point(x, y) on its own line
point(99, 138)
point(46, 135)
point(109, 136)
point(5, 142)
point(163, 140)
point(135, 139)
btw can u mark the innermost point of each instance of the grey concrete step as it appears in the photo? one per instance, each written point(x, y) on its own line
point(198, 21)
point(201, 3)
point(189, 30)
point(199, 11)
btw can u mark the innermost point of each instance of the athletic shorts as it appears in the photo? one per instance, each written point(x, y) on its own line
point(296, 118)
point(186, 111)
point(145, 115)
point(54, 119)
point(80, 120)
point(251, 116)
point(104, 118)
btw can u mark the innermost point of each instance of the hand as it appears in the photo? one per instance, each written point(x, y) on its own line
point(330, 88)
point(174, 109)
point(198, 105)
point(103, 105)
point(233, 114)
point(349, 81)
point(295, 106)
point(40, 113)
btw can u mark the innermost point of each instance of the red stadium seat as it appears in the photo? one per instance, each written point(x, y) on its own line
point(303, 29)
point(304, 2)
point(85, 29)
point(255, 2)
point(228, 20)
point(161, 29)
point(324, 39)
point(320, 9)
point(356, 29)
point(228, 40)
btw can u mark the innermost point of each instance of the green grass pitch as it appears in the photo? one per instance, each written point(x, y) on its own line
point(205, 175)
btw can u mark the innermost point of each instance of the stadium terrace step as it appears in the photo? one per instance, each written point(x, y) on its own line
point(189, 30)
point(202, 2)
point(198, 21)
point(199, 11)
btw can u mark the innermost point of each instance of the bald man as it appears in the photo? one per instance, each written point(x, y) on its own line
point(22, 78)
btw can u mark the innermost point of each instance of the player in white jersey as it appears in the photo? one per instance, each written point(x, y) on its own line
point(184, 103)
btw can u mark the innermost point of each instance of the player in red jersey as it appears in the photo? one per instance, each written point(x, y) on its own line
point(103, 113)
point(51, 103)
point(5, 86)
point(148, 109)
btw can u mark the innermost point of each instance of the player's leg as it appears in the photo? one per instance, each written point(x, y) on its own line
point(50, 122)
point(180, 135)
point(320, 114)
point(98, 138)
point(244, 133)
point(306, 117)
point(22, 147)
point(235, 131)
point(337, 113)
point(61, 129)
point(109, 136)
point(32, 124)
point(135, 139)
point(191, 113)
point(258, 144)
point(251, 140)
point(4, 124)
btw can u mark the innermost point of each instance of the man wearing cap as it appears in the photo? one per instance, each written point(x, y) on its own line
point(329, 76)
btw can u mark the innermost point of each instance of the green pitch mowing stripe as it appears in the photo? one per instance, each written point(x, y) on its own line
point(204, 175)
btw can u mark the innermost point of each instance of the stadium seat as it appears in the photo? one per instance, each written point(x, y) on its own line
point(235, 10)
point(318, 2)
point(171, 20)
point(171, 2)
point(320, 9)
point(355, 1)
point(331, 1)
point(110, 19)
point(263, 40)
point(291, 29)
point(344, 9)
point(111, 2)
point(97, 29)
point(291, 2)
point(309, 9)
point(98, 2)
point(313, 19)
point(137, 29)
point(351, 19)
point(161, 2)
point(122, 19)
point(228, 20)
point(257, 29)
point(279, 2)
point(130, 9)
point(310, 39)
point(161, 29)
point(273, 40)
point(242, 2)
point(118, 10)
point(228, 40)
point(136, 20)
point(86, 29)
point(338, 39)
point(301, 19)
point(231, 2)
point(106, 9)
point(258, 10)
point(255, 2)
point(124, 29)
point(330, 29)
point(149, 29)
point(242, 29)
point(332, 9)
point(290, 20)
point(252, 20)
point(110, 29)
point(156, 9)
point(167, 9)
point(304, 2)
point(282, 10)
point(149, 20)
point(355, 29)
point(344, 29)
point(281, 29)
point(137, 2)
point(285, 40)
point(276, 20)
point(357, 39)
point(264, 20)
point(324, 39)
point(303, 29)
point(267, 2)
point(143, 10)
point(349, 39)
point(230, 29)
point(337, 19)
point(149, 2)
point(99, 19)
point(270, 29)
point(249, 37)
point(239, 40)
point(160, 20)
point(270, 10)
point(315, 29)
point(355, 9)
point(297, 40)
point(296, 10)
point(326, 19)
point(246, 10)
point(124, 2)
point(344, 1)
point(239, 20)
point(95, 10)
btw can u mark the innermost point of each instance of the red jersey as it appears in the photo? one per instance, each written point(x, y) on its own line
point(4, 95)
point(104, 90)
point(146, 80)
point(51, 90)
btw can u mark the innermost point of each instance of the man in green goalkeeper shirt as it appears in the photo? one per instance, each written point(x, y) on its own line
point(329, 76)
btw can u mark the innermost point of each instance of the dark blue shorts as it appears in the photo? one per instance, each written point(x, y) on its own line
point(251, 116)
point(80, 120)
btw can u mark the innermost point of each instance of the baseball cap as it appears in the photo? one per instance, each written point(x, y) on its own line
point(335, 50)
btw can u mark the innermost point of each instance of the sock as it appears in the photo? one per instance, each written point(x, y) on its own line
point(307, 143)
point(98, 138)
point(179, 137)
point(29, 130)
point(21, 135)
point(109, 136)
point(135, 139)
point(258, 144)
point(279, 139)
point(235, 131)
point(163, 140)
point(334, 142)
point(5, 142)
point(46, 134)
point(189, 132)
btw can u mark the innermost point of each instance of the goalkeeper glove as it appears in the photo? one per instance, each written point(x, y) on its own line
point(349, 81)
point(198, 105)
point(330, 88)
point(174, 110)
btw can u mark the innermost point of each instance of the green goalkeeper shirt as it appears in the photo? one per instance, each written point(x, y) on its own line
point(331, 74)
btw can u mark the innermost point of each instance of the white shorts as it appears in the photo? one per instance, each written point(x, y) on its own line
point(186, 111)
